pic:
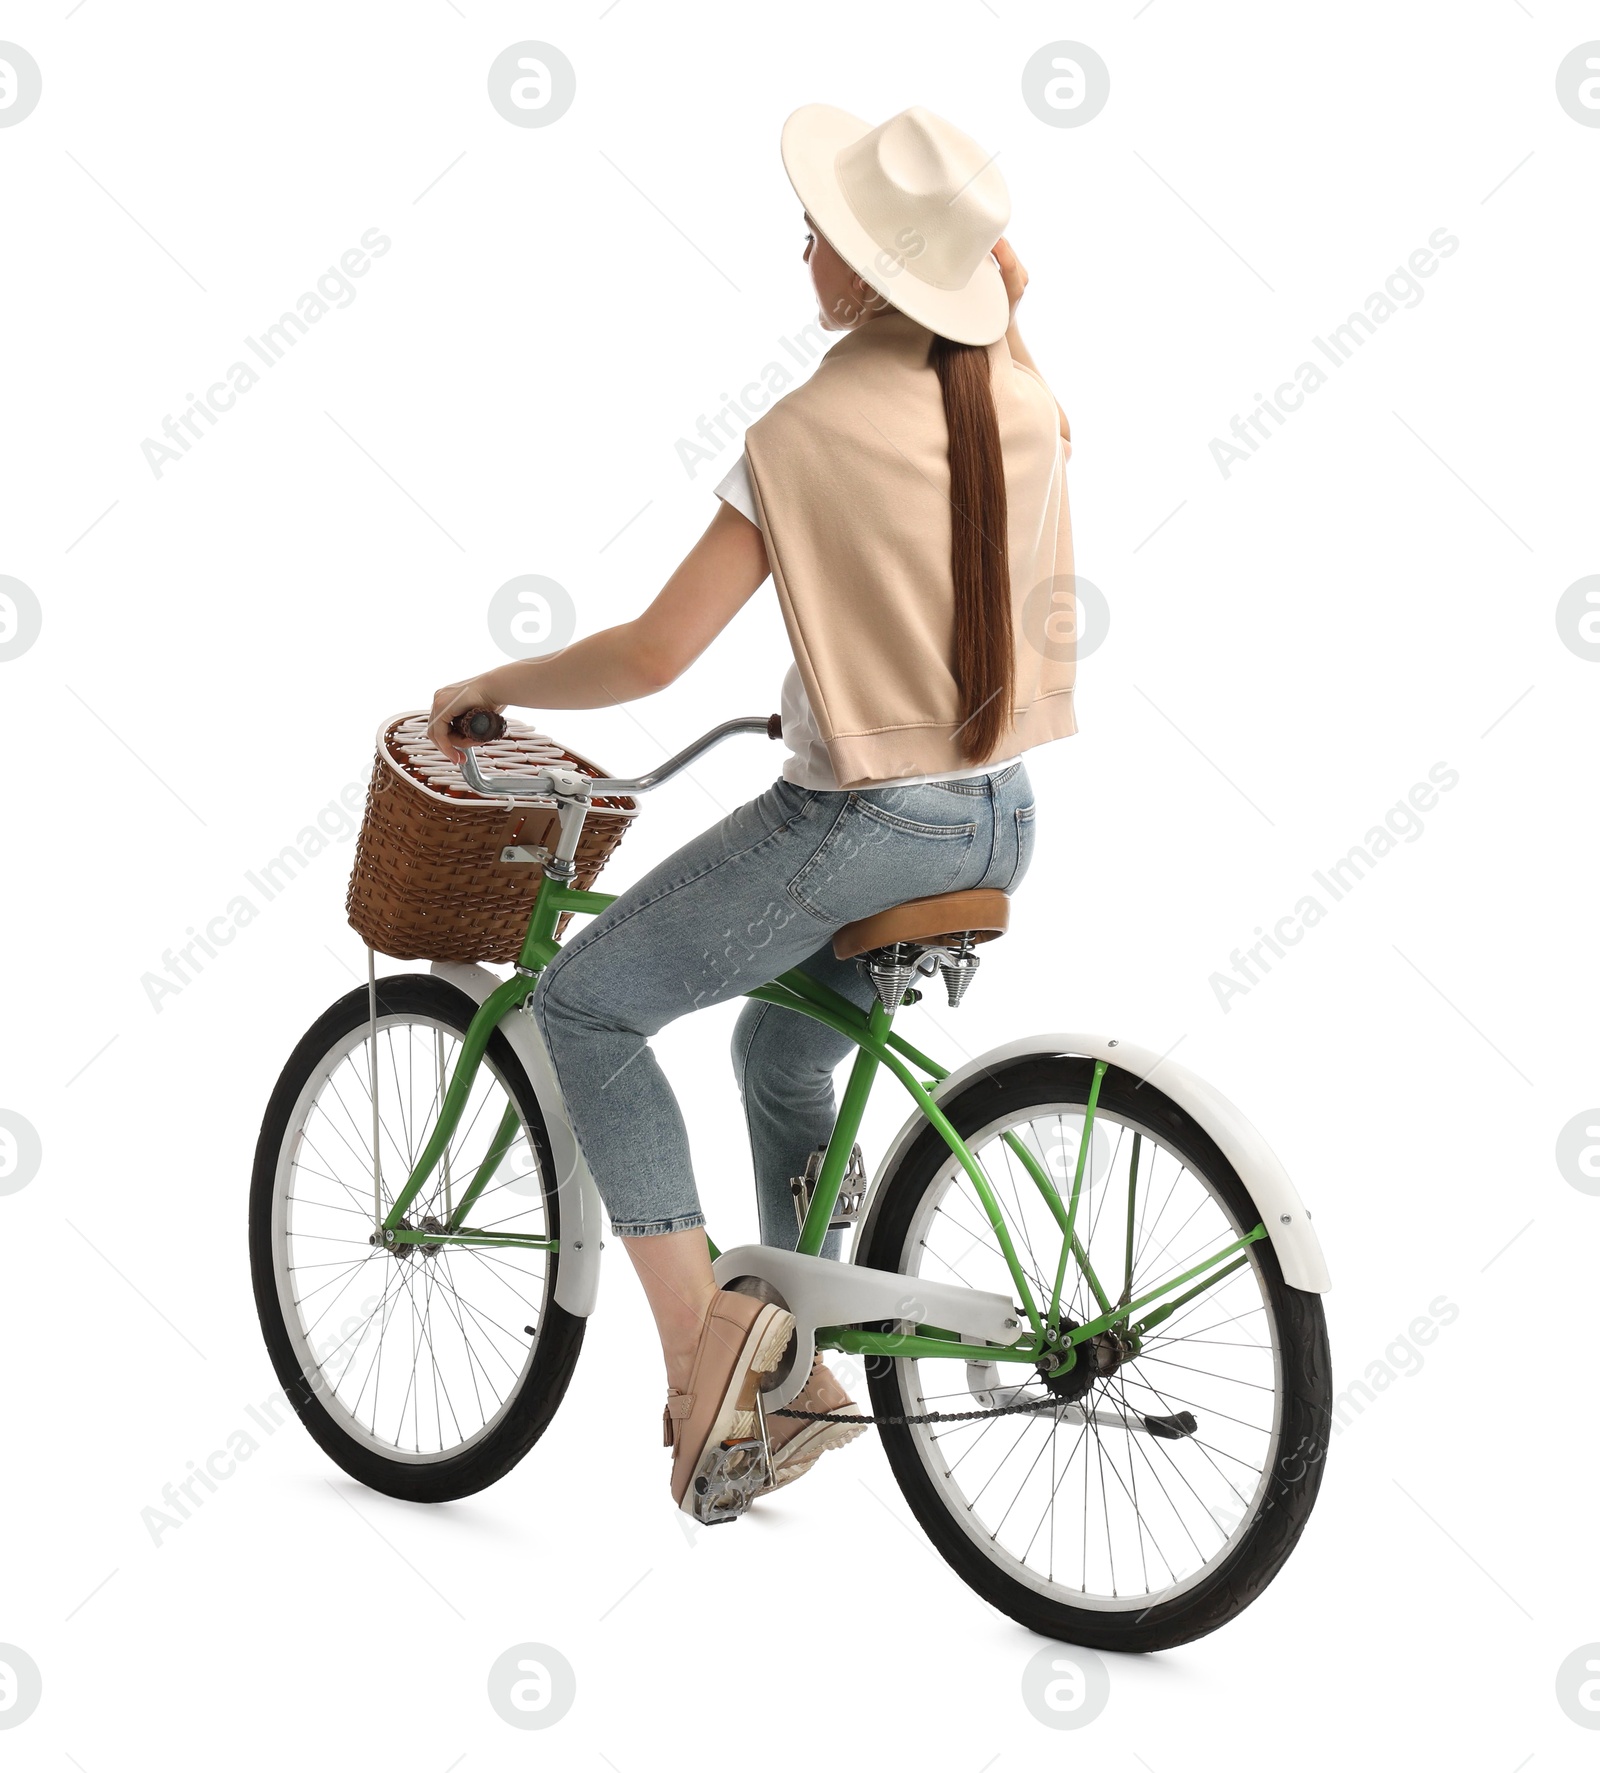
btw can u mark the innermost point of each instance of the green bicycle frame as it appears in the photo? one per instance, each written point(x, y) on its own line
point(1045, 1344)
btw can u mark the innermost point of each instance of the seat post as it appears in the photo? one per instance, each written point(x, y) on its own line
point(845, 1130)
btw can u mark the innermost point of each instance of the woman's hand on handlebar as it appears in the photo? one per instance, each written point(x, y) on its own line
point(455, 699)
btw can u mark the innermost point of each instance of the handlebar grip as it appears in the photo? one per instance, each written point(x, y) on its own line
point(774, 726)
point(479, 723)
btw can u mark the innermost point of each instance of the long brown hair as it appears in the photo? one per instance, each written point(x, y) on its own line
point(985, 662)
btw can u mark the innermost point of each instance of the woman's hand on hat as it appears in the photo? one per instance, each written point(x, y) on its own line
point(459, 698)
point(1012, 273)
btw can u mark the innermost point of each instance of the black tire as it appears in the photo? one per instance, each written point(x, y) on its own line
point(552, 1354)
point(1288, 1487)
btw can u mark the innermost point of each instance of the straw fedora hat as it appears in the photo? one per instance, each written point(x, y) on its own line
point(913, 206)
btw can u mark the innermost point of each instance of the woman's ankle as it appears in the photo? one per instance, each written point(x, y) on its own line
point(680, 1340)
point(675, 1269)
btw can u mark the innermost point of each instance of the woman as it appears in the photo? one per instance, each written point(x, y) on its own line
point(906, 501)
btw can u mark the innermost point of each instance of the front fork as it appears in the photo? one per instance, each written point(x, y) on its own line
point(554, 900)
point(392, 1229)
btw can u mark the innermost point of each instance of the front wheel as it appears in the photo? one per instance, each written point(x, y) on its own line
point(426, 1370)
point(1169, 1472)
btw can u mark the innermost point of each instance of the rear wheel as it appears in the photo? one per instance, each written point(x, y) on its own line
point(1164, 1487)
point(427, 1371)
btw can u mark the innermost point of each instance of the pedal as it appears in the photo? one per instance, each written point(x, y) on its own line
point(735, 1475)
point(852, 1189)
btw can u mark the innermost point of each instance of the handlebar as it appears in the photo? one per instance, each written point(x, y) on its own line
point(479, 723)
point(574, 785)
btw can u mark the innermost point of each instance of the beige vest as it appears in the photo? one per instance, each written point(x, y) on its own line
point(852, 480)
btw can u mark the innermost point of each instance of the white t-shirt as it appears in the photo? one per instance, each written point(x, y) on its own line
point(808, 764)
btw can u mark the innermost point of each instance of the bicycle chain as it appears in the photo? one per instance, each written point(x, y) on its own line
point(1045, 1403)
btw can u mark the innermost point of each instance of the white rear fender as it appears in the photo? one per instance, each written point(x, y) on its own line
point(1282, 1211)
point(582, 1213)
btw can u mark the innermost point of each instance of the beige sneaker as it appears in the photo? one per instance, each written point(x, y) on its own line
point(741, 1340)
point(797, 1445)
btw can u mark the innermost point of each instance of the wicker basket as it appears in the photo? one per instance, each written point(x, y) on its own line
point(428, 882)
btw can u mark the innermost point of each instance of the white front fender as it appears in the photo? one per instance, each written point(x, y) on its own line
point(1282, 1211)
point(583, 1217)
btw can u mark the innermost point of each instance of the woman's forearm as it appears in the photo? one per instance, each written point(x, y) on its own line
point(1020, 352)
point(714, 581)
point(612, 666)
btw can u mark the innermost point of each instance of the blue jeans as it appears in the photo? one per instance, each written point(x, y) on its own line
point(759, 893)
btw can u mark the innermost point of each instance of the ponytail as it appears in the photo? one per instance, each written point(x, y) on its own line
point(985, 663)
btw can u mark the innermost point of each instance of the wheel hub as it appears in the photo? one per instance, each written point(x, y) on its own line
point(1097, 1358)
point(403, 1250)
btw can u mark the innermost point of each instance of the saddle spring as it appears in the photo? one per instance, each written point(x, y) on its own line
point(893, 968)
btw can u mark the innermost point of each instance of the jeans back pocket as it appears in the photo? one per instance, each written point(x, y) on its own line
point(873, 857)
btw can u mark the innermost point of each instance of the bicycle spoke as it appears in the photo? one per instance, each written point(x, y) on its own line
point(434, 1355)
point(1088, 1500)
point(1226, 1378)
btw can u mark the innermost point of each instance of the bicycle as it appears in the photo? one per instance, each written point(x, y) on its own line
point(1087, 1300)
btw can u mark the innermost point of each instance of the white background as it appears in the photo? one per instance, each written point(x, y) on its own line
point(1292, 647)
